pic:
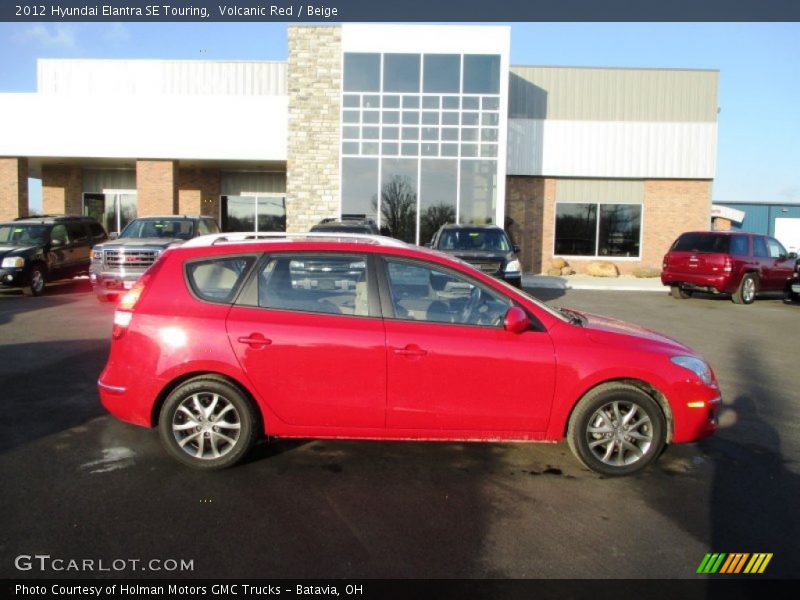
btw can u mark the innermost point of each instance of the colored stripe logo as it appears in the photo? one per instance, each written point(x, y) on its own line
point(734, 563)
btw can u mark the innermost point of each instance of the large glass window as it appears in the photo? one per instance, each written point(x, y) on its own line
point(590, 229)
point(362, 72)
point(478, 191)
point(114, 209)
point(620, 228)
point(399, 198)
point(481, 74)
point(442, 73)
point(360, 187)
point(438, 185)
point(253, 213)
point(401, 72)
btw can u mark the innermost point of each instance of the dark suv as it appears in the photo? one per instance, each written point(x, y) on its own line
point(726, 262)
point(486, 247)
point(117, 264)
point(35, 250)
point(366, 226)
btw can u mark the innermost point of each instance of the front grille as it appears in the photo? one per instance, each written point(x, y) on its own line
point(134, 259)
point(487, 266)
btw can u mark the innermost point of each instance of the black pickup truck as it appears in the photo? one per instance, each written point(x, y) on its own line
point(118, 263)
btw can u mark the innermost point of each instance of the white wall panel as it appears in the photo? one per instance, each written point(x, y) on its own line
point(83, 77)
point(612, 149)
point(188, 127)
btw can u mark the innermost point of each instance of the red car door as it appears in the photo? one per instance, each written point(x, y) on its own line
point(452, 366)
point(311, 347)
point(778, 267)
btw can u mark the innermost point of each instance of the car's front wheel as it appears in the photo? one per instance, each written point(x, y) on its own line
point(617, 430)
point(207, 423)
point(36, 281)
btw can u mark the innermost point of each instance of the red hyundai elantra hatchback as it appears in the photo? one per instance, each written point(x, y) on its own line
point(232, 337)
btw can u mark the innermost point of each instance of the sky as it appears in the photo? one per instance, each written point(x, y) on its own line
point(758, 153)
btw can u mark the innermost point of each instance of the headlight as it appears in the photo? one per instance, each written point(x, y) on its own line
point(696, 366)
point(13, 262)
point(97, 255)
point(513, 267)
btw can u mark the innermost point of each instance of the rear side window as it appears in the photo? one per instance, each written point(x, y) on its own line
point(97, 231)
point(218, 279)
point(739, 245)
point(702, 242)
point(77, 233)
point(206, 226)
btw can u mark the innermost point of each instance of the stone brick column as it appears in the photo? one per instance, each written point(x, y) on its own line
point(62, 190)
point(198, 192)
point(13, 188)
point(157, 187)
point(312, 168)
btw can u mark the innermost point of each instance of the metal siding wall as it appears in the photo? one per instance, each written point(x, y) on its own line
point(161, 77)
point(611, 149)
point(760, 218)
point(572, 93)
point(247, 183)
point(600, 190)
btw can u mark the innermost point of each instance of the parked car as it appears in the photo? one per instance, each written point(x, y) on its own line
point(36, 250)
point(793, 289)
point(486, 247)
point(118, 263)
point(725, 262)
point(226, 339)
point(367, 226)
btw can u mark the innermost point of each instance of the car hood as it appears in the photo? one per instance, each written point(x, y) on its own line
point(15, 250)
point(141, 242)
point(599, 327)
point(481, 254)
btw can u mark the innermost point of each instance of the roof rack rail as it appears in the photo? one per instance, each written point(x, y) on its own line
point(244, 236)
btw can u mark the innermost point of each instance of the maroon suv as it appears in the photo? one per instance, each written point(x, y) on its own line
point(726, 262)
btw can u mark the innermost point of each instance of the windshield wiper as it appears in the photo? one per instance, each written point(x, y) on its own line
point(573, 317)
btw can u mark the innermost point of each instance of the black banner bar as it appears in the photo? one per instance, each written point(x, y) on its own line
point(338, 11)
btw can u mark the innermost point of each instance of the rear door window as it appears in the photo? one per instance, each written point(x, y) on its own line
point(218, 279)
point(760, 247)
point(320, 283)
point(702, 242)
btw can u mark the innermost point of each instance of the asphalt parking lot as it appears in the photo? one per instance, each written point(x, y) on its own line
point(78, 484)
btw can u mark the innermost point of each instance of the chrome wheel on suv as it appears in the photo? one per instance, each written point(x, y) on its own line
point(746, 292)
point(617, 430)
point(207, 423)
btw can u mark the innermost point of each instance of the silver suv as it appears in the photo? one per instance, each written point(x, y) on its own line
point(118, 263)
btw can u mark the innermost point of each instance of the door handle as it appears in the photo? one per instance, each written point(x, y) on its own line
point(410, 350)
point(256, 340)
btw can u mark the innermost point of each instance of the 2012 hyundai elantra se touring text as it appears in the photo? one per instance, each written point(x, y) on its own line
point(233, 337)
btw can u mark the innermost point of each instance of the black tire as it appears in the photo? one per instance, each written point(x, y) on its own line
point(679, 292)
point(746, 292)
point(37, 279)
point(191, 432)
point(624, 450)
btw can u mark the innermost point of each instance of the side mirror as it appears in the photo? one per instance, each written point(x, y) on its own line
point(113, 235)
point(792, 255)
point(516, 249)
point(56, 243)
point(516, 320)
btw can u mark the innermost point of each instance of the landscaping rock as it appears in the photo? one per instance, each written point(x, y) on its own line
point(602, 268)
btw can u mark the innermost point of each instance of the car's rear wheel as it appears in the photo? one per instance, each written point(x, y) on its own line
point(679, 292)
point(617, 430)
point(746, 292)
point(207, 423)
point(36, 281)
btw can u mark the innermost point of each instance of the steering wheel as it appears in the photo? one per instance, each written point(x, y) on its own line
point(472, 304)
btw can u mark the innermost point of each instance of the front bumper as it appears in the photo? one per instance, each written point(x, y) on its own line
point(13, 277)
point(113, 282)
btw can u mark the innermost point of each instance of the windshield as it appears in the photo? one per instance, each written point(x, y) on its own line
point(182, 229)
point(477, 240)
point(23, 235)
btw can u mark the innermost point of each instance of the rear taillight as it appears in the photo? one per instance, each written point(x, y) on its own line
point(728, 266)
point(124, 312)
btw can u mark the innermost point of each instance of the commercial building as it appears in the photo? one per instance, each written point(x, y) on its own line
point(779, 220)
point(410, 125)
